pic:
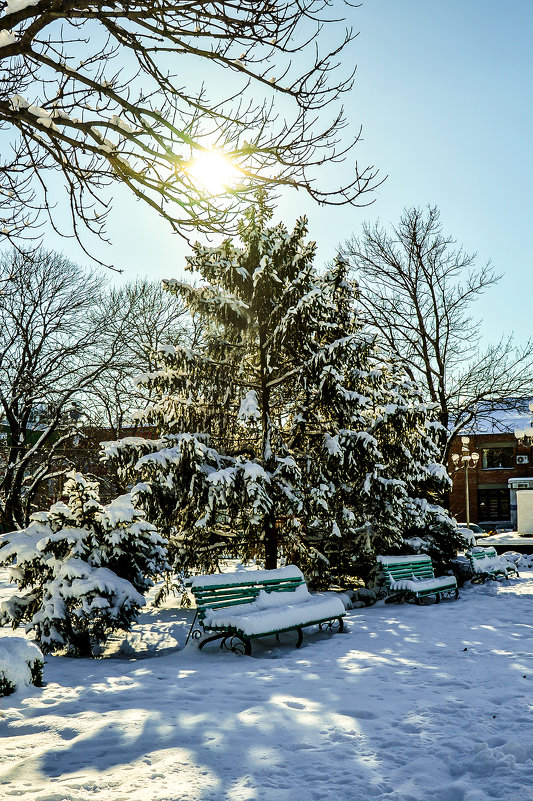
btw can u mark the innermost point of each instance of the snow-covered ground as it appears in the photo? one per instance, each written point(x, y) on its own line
point(412, 703)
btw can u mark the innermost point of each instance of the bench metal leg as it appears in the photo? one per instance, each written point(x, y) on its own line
point(235, 643)
point(420, 598)
point(337, 624)
point(211, 639)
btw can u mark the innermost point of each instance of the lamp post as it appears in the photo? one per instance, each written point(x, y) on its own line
point(464, 462)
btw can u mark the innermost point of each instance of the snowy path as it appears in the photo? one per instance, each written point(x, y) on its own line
point(412, 703)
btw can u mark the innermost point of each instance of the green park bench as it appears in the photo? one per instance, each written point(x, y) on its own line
point(412, 578)
point(486, 564)
point(239, 607)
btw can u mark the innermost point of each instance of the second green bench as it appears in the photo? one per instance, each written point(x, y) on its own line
point(412, 578)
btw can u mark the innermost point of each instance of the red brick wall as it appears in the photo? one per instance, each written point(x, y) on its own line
point(478, 476)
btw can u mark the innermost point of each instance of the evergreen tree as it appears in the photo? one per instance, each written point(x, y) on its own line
point(83, 567)
point(286, 434)
point(368, 447)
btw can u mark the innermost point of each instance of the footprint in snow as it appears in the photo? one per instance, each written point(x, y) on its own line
point(359, 714)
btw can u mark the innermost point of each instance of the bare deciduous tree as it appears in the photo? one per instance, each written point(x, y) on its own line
point(98, 92)
point(417, 291)
point(142, 318)
point(53, 346)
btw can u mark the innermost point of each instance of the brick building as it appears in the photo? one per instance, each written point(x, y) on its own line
point(505, 464)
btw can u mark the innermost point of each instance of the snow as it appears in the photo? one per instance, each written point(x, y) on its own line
point(7, 38)
point(419, 585)
point(19, 5)
point(120, 123)
point(245, 576)
point(398, 560)
point(485, 564)
point(266, 620)
point(499, 421)
point(249, 408)
point(411, 703)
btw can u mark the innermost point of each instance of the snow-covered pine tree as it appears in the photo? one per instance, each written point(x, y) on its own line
point(83, 567)
point(224, 486)
point(366, 444)
point(287, 433)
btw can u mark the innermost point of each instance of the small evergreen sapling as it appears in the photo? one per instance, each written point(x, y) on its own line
point(83, 567)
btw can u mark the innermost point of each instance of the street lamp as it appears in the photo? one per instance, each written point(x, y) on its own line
point(525, 435)
point(462, 462)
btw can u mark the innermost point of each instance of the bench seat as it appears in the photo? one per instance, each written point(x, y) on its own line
point(427, 586)
point(260, 617)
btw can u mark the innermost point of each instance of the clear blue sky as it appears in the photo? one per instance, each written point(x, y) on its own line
point(444, 94)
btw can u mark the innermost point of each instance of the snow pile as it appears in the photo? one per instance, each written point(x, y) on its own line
point(398, 560)
point(7, 38)
point(21, 664)
point(249, 409)
point(13, 6)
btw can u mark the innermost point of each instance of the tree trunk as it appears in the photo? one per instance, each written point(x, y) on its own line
point(271, 542)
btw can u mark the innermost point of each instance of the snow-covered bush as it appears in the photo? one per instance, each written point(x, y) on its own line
point(21, 663)
point(83, 568)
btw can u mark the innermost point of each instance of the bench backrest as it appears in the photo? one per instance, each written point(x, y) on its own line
point(229, 589)
point(483, 553)
point(406, 567)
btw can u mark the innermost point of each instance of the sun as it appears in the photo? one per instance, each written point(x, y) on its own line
point(214, 171)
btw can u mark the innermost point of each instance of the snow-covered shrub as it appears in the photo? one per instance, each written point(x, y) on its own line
point(21, 663)
point(83, 568)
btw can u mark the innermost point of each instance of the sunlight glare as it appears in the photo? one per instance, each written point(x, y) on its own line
point(214, 171)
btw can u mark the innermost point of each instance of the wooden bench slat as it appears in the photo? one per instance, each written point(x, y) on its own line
point(245, 588)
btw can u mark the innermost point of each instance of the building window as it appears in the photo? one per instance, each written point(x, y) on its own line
point(493, 504)
point(494, 458)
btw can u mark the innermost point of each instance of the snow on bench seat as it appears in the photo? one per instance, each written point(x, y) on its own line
point(273, 612)
point(417, 585)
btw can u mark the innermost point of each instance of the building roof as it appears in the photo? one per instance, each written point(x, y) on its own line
point(501, 420)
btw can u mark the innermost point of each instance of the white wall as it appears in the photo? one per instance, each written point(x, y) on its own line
point(524, 507)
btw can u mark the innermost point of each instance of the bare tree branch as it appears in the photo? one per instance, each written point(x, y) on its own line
point(54, 344)
point(99, 92)
point(417, 291)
